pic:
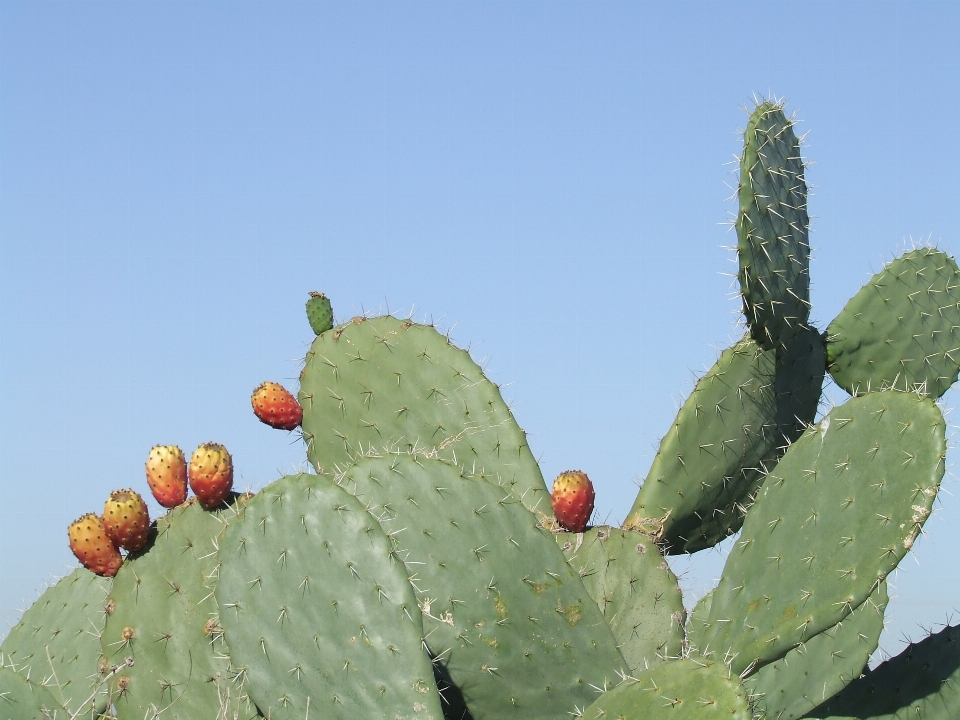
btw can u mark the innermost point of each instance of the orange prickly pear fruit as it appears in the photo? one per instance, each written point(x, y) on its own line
point(93, 548)
point(126, 520)
point(167, 475)
point(274, 405)
point(572, 500)
point(211, 474)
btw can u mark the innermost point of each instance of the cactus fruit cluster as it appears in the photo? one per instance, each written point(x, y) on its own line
point(424, 570)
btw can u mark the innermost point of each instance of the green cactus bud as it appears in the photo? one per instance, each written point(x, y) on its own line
point(319, 313)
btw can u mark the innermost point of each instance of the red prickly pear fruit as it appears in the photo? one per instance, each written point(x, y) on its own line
point(167, 475)
point(572, 500)
point(274, 405)
point(211, 474)
point(126, 520)
point(93, 548)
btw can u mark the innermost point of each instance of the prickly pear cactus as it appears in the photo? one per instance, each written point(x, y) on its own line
point(419, 574)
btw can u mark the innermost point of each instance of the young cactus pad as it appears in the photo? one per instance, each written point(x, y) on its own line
point(902, 329)
point(836, 515)
point(504, 614)
point(634, 588)
point(318, 613)
point(165, 618)
point(772, 228)
point(381, 385)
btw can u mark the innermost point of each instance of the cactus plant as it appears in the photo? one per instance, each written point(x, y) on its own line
point(419, 572)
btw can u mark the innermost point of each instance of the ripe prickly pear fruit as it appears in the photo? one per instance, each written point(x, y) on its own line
point(572, 500)
point(167, 475)
point(126, 520)
point(211, 474)
point(319, 313)
point(274, 405)
point(93, 548)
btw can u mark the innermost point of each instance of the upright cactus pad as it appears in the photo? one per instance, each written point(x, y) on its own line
point(318, 613)
point(57, 642)
point(921, 683)
point(508, 620)
point(165, 619)
point(382, 384)
point(837, 514)
point(902, 329)
point(737, 421)
point(635, 590)
point(772, 228)
point(679, 690)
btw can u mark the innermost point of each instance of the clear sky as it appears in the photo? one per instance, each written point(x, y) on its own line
point(548, 179)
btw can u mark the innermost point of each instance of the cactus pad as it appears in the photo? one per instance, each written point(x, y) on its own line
point(634, 588)
point(822, 666)
point(318, 614)
point(22, 699)
point(772, 228)
point(383, 384)
point(57, 641)
point(507, 618)
point(737, 421)
point(836, 515)
point(902, 329)
point(676, 690)
point(165, 618)
point(921, 683)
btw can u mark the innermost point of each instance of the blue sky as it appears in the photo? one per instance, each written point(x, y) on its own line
point(548, 179)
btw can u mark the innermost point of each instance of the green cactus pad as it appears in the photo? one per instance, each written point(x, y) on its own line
point(675, 690)
point(822, 666)
point(507, 618)
point(318, 613)
point(319, 313)
point(57, 641)
point(772, 228)
point(383, 384)
point(634, 588)
point(165, 618)
point(22, 699)
point(921, 683)
point(737, 421)
point(902, 329)
point(836, 515)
